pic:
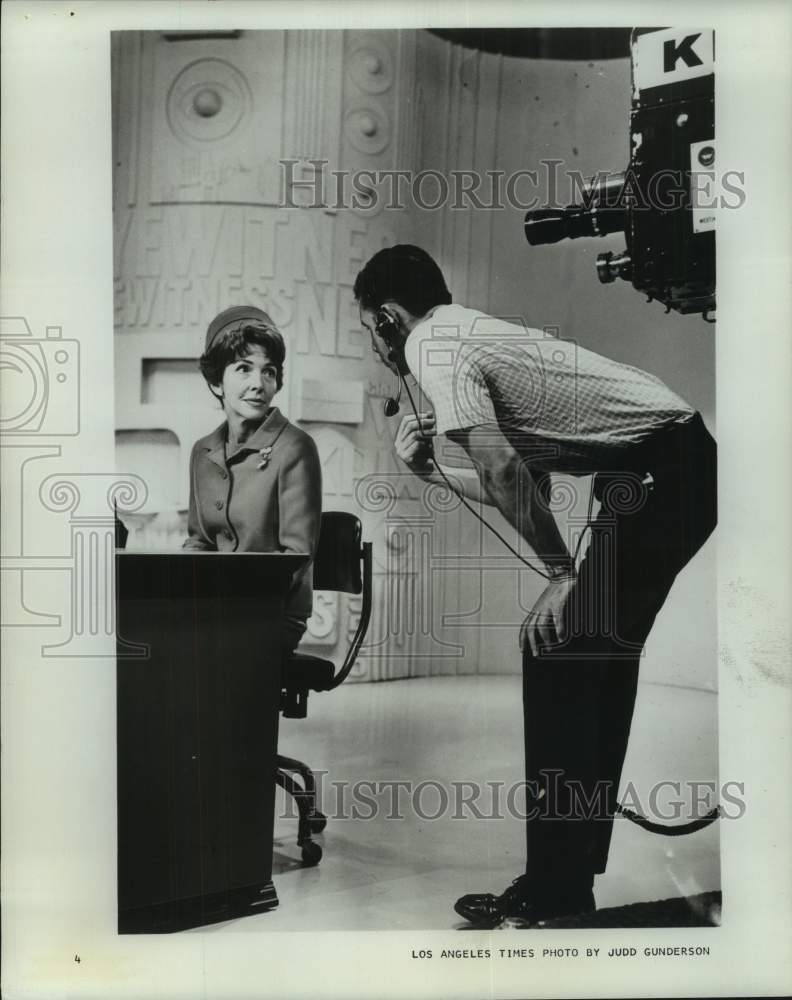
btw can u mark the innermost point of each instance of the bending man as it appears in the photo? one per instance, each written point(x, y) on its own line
point(522, 406)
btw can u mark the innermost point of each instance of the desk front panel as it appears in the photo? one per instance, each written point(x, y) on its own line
point(197, 740)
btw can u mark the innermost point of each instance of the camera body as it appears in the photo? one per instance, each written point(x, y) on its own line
point(41, 387)
point(659, 202)
point(672, 131)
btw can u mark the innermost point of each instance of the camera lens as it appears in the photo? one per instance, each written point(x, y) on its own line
point(601, 213)
point(548, 225)
point(611, 266)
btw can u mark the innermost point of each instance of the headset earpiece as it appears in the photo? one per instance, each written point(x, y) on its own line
point(387, 326)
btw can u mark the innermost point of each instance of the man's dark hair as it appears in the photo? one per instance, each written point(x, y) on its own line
point(236, 343)
point(404, 274)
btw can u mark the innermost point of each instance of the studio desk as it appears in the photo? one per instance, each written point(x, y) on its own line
point(198, 691)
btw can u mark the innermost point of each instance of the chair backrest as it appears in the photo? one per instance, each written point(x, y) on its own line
point(121, 533)
point(338, 563)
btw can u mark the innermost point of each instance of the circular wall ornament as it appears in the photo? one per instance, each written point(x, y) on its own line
point(371, 67)
point(208, 101)
point(367, 129)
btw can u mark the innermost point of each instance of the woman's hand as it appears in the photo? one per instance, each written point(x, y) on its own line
point(548, 624)
point(413, 442)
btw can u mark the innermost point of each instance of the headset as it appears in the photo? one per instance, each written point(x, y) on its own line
point(388, 328)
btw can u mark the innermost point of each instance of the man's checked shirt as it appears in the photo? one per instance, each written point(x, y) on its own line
point(564, 407)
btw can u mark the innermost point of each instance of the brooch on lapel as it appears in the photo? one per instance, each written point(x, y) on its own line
point(265, 456)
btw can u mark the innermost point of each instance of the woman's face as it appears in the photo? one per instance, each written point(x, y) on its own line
point(248, 385)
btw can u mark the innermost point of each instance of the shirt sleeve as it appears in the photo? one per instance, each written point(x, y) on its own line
point(197, 538)
point(449, 373)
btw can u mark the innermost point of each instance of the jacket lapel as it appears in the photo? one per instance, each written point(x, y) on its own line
point(268, 432)
point(263, 438)
point(215, 445)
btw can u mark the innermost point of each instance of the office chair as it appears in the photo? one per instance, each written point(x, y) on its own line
point(342, 563)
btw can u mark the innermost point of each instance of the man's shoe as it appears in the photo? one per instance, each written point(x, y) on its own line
point(523, 905)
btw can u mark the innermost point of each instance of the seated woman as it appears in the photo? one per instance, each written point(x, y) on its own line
point(255, 481)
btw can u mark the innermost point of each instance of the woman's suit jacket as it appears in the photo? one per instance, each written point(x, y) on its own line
point(257, 500)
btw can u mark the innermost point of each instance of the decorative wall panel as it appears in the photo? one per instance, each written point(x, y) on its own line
point(218, 118)
point(332, 403)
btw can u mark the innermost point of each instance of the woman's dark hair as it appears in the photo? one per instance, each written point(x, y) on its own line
point(236, 343)
point(403, 274)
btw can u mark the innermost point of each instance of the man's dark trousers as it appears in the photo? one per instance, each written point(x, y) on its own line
point(578, 699)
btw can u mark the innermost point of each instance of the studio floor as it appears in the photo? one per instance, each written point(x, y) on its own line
point(382, 871)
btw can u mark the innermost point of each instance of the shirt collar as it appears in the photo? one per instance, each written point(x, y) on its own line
point(264, 436)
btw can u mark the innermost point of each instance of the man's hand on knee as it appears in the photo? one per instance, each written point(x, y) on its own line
point(547, 623)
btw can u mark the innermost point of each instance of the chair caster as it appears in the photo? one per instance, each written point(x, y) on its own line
point(311, 854)
point(317, 822)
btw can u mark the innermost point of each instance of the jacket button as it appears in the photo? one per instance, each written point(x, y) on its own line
point(224, 475)
point(219, 504)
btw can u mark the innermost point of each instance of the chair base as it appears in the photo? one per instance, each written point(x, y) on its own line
point(311, 820)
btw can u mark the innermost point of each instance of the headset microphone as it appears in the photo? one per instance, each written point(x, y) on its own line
point(391, 406)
